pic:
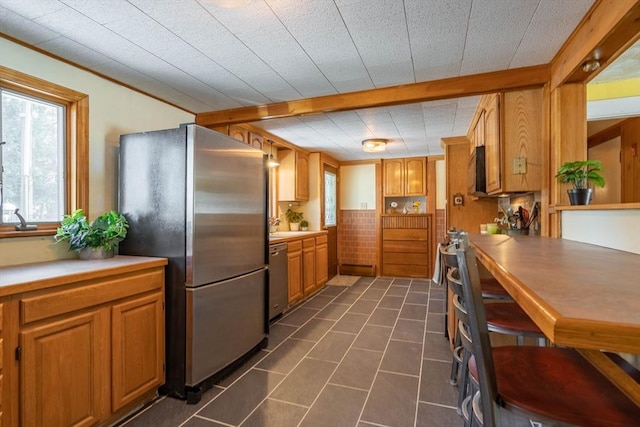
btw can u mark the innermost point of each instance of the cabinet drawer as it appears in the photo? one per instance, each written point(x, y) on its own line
point(405, 258)
point(321, 239)
point(309, 243)
point(405, 270)
point(405, 234)
point(404, 246)
point(294, 246)
point(56, 303)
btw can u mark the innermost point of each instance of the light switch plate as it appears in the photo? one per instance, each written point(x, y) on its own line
point(519, 165)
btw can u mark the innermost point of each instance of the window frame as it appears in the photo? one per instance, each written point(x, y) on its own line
point(77, 143)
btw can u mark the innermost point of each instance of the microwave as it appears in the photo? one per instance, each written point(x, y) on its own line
point(477, 177)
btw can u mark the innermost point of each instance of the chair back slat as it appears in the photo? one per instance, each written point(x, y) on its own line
point(453, 280)
point(472, 294)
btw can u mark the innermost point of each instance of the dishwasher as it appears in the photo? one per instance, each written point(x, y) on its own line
point(278, 279)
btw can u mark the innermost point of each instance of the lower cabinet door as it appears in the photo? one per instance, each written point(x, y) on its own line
point(62, 380)
point(138, 348)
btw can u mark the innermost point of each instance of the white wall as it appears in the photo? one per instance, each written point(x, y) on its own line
point(113, 110)
point(616, 229)
point(358, 187)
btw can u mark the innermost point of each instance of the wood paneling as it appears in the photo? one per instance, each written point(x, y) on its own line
point(521, 134)
point(474, 211)
point(568, 136)
point(605, 31)
point(630, 145)
point(418, 92)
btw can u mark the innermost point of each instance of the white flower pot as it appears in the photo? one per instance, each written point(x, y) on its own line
point(294, 226)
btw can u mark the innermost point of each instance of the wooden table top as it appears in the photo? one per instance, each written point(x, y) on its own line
point(580, 295)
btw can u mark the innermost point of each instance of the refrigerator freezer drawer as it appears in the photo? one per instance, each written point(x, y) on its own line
point(224, 321)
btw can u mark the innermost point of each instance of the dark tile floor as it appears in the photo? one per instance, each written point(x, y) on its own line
point(372, 354)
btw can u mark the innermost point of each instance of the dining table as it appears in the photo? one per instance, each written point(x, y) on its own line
point(580, 295)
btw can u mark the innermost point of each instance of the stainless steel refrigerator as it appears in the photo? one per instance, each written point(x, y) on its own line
point(198, 198)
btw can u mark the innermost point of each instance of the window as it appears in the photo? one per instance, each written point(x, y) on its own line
point(44, 152)
point(33, 158)
point(330, 200)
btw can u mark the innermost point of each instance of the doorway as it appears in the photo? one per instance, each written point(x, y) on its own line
point(330, 214)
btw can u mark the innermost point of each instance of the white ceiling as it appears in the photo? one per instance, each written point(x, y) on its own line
point(204, 58)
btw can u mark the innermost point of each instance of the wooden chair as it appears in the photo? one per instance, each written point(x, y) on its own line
point(545, 384)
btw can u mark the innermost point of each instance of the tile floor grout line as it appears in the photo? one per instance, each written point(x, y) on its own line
point(348, 349)
point(424, 342)
point(381, 359)
point(437, 404)
point(254, 365)
point(305, 355)
point(411, 290)
point(284, 401)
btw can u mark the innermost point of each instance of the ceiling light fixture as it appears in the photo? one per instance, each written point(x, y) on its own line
point(272, 160)
point(374, 145)
point(590, 65)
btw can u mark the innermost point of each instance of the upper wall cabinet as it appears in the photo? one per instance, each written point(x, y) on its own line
point(509, 125)
point(293, 176)
point(405, 177)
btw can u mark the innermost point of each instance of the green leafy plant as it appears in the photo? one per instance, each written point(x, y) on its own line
point(304, 223)
point(293, 216)
point(580, 173)
point(105, 232)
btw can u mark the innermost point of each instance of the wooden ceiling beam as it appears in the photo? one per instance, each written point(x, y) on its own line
point(454, 87)
point(608, 29)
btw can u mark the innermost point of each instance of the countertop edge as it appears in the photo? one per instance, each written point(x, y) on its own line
point(32, 277)
point(296, 235)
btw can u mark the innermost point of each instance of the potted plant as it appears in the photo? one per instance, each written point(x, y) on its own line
point(294, 219)
point(304, 225)
point(580, 174)
point(92, 240)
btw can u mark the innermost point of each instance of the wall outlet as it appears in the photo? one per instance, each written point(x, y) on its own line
point(363, 205)
point(519, 165)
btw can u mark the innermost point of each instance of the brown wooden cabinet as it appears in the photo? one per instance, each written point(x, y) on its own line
point(406, 246)
point(137, 348)
point(308, 266)
point(89, 341)
point(492, 142)
point(509, 125)
point(293, 176)
point(65, 368)
point(322, 261)
point(405, 177)
point(294, 276)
